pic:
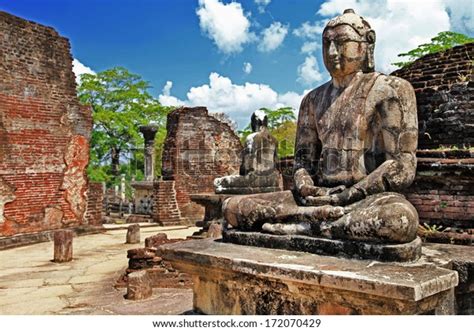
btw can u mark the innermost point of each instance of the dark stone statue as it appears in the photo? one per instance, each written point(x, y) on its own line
point(355, 148)
point(258, 171)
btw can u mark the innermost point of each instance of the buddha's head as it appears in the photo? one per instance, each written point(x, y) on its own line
point(348, 45)
point(258, 120)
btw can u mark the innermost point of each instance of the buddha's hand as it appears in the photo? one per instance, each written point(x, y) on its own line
point(305, 186)
point(343, 198)
point(316, 191)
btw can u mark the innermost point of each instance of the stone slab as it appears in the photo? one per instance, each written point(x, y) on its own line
point(344, 248)
point(236, 279)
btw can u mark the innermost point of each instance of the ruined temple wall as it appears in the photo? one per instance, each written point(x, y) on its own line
point(444, 87)
point(44, 131)
point(198, 148)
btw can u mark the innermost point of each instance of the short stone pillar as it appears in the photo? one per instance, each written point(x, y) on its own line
point(133, 234)
point(63, 246)
point(139, 286)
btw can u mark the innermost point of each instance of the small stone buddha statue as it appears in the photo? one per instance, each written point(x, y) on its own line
point(355, 148)
point(258, 171)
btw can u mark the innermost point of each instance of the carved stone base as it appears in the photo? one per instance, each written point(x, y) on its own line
point(234, 279)
point(351, 249)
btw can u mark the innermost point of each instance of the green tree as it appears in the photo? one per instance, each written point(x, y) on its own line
point(443, 41)
point(120, 104)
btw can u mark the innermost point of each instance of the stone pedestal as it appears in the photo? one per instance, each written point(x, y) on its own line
point(133, 234)
point(213, 211)
point(63, 246)
point(234, 279)
point(139, 286)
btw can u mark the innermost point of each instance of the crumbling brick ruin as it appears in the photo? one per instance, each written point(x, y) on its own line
point(443, 190)
point(44, 131)
point(444, 87)
point(198, 148)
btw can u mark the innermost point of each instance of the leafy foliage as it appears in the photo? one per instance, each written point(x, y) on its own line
point(120, 104)
point(443, 41)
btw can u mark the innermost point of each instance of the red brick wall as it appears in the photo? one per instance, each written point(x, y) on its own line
point(95, 199)
point(44, 131)
point(198, 148)
point(166, 211)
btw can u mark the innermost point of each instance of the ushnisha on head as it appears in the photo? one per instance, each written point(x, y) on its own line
point(348, 45)
point(258, 120)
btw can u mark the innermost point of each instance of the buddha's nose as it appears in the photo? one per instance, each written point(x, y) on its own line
point(332, 50)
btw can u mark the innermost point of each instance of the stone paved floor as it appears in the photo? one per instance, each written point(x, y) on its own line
point(31, 284)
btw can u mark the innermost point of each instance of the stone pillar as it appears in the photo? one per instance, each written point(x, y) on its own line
point(122, 188)
point(133, 234)
point(63, 246)
point(139, 286)
point(149, 133)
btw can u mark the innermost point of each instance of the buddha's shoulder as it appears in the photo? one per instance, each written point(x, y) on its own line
point(392, 84)
point(317, 92)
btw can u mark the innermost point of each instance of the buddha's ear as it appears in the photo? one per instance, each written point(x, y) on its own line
point(265, 121)
point(370, 36)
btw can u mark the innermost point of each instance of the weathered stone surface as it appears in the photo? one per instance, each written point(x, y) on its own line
point(258, 171)
point(63, 246)
point(230, 279)
point(344, 248)
point(139, 286)
point(44, 131)
point(193, 156)
point(214, 231)
point(133, 234)
point(156, 240)
point(355, 147)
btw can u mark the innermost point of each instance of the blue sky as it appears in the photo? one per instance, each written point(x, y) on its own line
point(195, 51)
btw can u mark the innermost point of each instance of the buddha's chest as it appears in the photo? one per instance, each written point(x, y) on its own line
point(343, 123)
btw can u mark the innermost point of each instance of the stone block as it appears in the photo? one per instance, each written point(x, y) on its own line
point(133, 234)
point(139, 286)
point(156, 240)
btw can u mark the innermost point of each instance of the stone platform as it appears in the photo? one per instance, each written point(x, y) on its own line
point(212, 204)
point(235, 279)
point(343, 248)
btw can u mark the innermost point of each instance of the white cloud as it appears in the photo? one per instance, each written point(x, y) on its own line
point(238, 101)
point(461, 13)
point(310, 31)
point(78, 68)
point(308, 71)
point(262, 4)
point(226, 24)
point(166, 99)
point(247, 67)
point(309, 47)
point(400, 25)
point(272, 37)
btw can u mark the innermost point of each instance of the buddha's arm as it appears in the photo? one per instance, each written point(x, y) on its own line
point(307, 149)
point(400, 136)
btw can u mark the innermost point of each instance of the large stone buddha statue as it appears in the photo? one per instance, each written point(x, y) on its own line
point(355, 148)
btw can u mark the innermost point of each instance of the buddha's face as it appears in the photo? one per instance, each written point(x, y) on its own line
point(344, 51)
